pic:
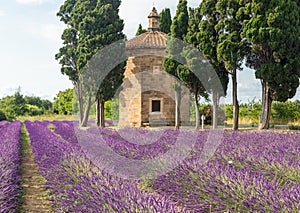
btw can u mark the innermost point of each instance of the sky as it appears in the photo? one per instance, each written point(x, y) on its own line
point(30, 35)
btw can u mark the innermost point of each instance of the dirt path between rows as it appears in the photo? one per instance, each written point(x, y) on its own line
point(34, 197)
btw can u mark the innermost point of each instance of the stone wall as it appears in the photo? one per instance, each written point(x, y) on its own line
point(145, 80)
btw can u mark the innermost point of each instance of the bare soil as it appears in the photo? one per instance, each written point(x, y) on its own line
point(34, 197)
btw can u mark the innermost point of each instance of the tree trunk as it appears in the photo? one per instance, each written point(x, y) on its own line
point(78, 91)
point(197, 110)
point(235, 102)
point(266, 107)
point(102, 117)
point(177, 107)
point(215, 110)
point(98, 111)
point(87, 112)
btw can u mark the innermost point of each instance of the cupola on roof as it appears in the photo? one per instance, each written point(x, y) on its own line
point(154, 20)
point(153, 38)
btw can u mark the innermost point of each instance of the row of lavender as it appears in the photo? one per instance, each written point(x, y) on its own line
point(10, 157)
point(251, 171)
point(76, 185)
point(3, 123)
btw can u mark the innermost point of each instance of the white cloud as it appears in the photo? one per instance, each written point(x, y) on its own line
point(32, 1)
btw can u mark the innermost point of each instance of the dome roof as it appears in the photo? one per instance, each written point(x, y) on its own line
point(148, 40)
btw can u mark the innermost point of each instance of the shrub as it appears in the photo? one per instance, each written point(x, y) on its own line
point(293, 127)
point(2, 116)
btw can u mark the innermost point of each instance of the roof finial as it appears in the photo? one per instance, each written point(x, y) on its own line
point(153, 20)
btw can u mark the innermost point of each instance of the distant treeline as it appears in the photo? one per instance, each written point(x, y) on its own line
point(11, 107)
point(282, 112)
point(65, 104)
point(18, 105)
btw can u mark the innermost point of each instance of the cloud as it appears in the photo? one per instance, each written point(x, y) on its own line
point(32, 1)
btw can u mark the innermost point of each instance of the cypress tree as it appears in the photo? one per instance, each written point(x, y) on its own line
point(273, 29)
point(178, 30)
point(140, 30)
point(165, 21)
point(91, 26)
point(208, 39)
point(232, 48)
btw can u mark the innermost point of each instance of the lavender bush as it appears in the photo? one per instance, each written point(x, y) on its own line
point(250, 172)
point(3, 123)
point(10, 166)
point(76, 185)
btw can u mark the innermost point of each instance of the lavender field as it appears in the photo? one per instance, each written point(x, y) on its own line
point(250, 172)
point(9, 165)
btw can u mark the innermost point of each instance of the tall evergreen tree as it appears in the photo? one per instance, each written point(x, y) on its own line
point(192, 61)
point(140, 30)
point(273, 28)
point(91, 26)
point(180, 21)
point(209, 38)
point(165, 21)
point(178, 30)
point(232, 48)
point(68, 54)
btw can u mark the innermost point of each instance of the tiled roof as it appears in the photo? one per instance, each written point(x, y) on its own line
point(148, 40)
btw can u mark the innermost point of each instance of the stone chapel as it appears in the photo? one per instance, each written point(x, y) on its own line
point(147, 96)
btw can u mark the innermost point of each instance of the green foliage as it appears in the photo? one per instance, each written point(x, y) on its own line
point(179, 28)
point(13, 106)
point(64, 102)
point(287, 111)
point(37, 106)
point(273, 28)
point(108, 110)
point(18, 105)
point(293, 127)
point(33, 110)
point(192, 59)
point(91, 26)
point(250, 110)
point(180, 21)
point(207, 38)
point(282, 112)
point(165, 21)
point(115, 109)
point(232, 47)
point(2, 116)
point(140, 30)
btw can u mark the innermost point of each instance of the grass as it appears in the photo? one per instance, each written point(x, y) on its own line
point(244, 120)
point(32, 188)
point(51, 117)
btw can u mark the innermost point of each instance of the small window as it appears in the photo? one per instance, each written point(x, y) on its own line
point(155, 68)
point(155, 105)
